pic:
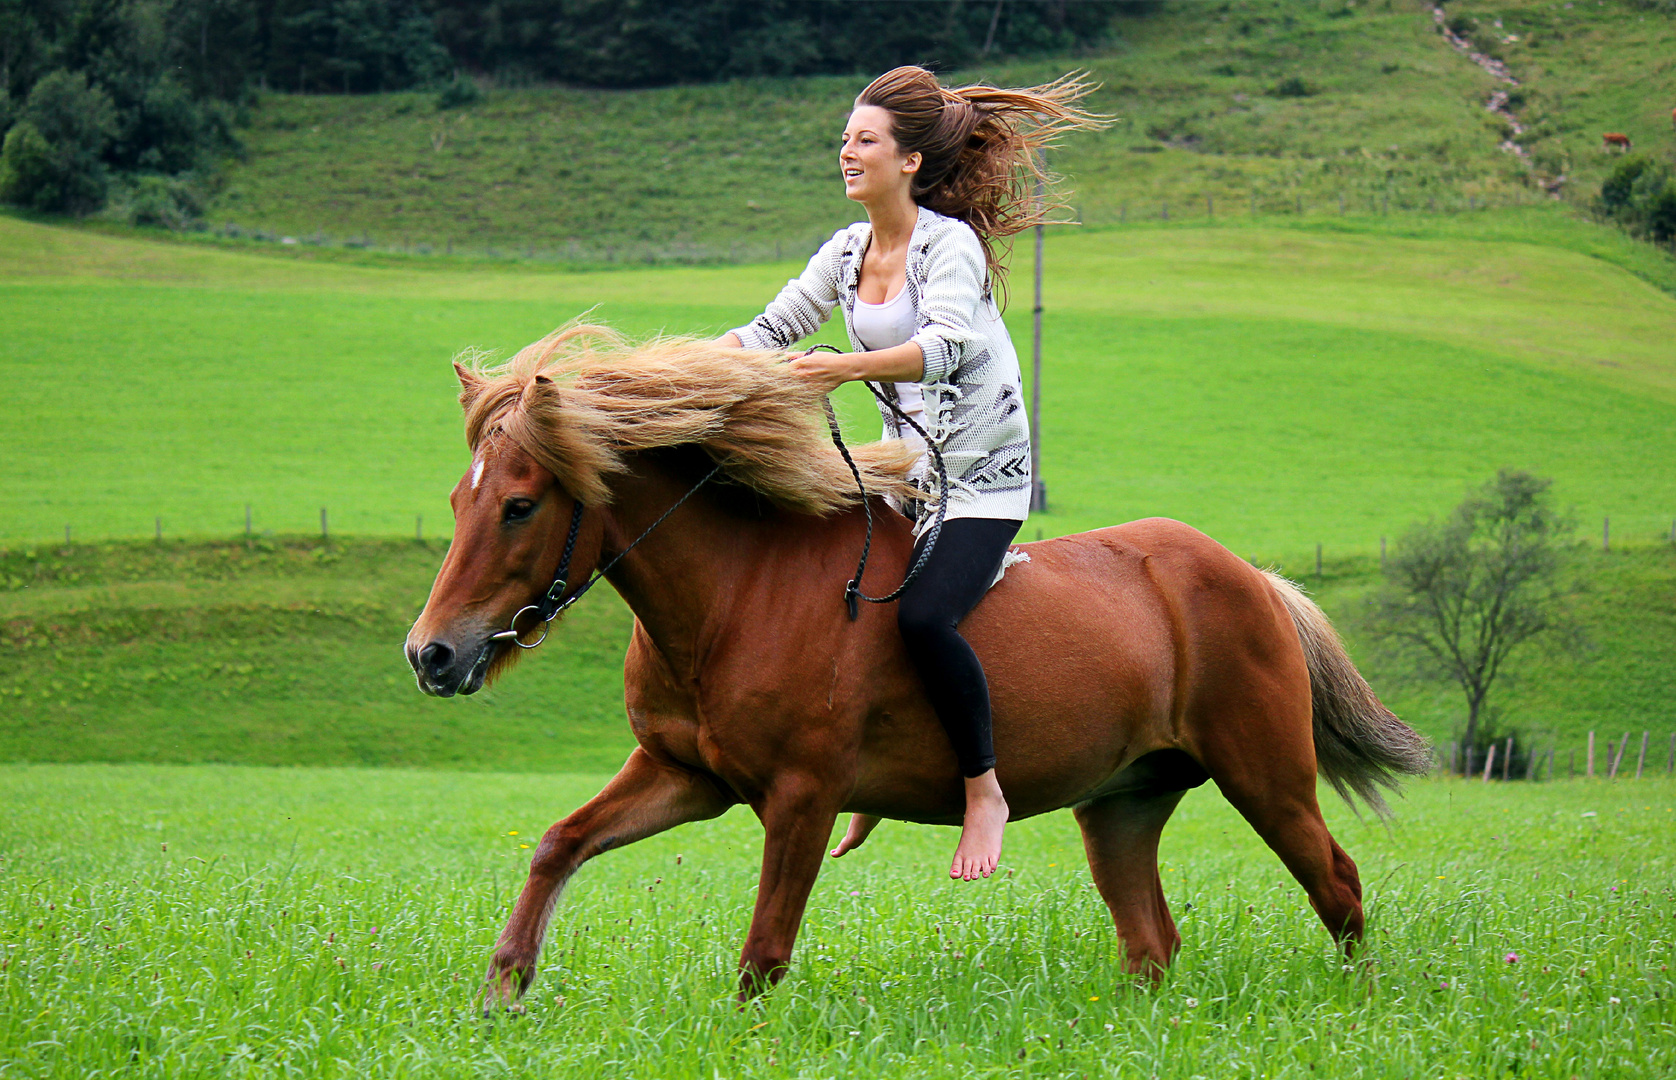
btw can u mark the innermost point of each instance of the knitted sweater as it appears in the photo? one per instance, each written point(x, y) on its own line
point(974, 396)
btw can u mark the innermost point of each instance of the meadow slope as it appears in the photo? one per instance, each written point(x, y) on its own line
point(1260, 107)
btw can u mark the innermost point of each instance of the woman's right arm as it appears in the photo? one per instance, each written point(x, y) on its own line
point(800, 309)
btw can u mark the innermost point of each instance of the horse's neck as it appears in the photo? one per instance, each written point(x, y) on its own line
point(671, 580)
point(679, 580)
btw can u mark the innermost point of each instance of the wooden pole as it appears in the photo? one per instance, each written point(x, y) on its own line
point(1318, 558)
point(1618, 756)
point(1382, 553)
point(1641, 761)
point(1507, 759)
point(1550, 763)
point(1606, 533)
point(1591, 772)
point(323, 535)
point(1038, 486)
point(1489, 762)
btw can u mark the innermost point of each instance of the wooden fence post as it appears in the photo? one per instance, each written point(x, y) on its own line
point(1471, 752)
point(1618, 756)
point(1489, 762)
point(1606, 533)
point(160, 528)
point(1550, 764)
point(1317, 558)
point(1642, 760)
point(1507, 759)
point(1454, 758)
point(323, 523)
point(1591, 771)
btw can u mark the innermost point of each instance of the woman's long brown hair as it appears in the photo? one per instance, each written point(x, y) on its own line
point(980, 148)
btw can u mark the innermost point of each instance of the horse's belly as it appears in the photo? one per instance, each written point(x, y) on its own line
point(1079, 657)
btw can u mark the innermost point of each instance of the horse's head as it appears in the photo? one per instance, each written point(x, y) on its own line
point(511, 518)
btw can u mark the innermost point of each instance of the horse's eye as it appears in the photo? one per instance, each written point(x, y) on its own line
point(517, 510)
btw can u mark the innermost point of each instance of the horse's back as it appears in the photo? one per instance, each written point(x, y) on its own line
point(1101, 648)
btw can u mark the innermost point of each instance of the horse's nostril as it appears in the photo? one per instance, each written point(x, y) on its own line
point(435, 659)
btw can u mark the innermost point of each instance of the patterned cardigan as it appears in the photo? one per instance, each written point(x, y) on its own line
point(974, 396)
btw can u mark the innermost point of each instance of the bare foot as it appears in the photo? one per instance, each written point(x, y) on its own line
point(860, 826)
point(980, 835)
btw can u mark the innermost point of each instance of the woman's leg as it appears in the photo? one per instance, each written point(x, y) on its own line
point(955, 578)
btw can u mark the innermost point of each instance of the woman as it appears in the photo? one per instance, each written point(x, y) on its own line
point(945, 177)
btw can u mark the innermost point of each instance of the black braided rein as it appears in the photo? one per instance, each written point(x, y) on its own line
point(852, 590)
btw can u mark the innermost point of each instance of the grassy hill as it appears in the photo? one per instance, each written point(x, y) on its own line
point(1255, 108)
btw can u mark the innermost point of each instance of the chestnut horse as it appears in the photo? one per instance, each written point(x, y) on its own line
point(1127, 665)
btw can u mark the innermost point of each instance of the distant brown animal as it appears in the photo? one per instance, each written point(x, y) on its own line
point(1127, 664)
point(1615, 140)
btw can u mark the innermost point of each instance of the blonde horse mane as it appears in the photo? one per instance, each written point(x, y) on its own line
point(583, 398)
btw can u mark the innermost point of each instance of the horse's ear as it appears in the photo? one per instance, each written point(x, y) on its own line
point(471, 384)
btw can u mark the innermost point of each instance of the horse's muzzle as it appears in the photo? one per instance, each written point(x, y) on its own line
point(444, 670)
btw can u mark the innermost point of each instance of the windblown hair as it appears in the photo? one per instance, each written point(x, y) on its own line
point(981, 147)
point(583, 398)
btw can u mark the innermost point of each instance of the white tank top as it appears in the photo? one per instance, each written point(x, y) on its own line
point(884, 326)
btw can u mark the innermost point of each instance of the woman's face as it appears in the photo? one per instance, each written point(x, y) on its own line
point(873, 166)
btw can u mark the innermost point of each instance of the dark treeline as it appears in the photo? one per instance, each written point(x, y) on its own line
point(144, 96)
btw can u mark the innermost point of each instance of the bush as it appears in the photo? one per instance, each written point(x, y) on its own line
point(458, 94)
point(1295, 86)
point(167, 201)
point(51, 159)
point(1640, 194)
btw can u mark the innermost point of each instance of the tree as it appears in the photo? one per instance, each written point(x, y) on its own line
point(1463, 595)
point(52, 157)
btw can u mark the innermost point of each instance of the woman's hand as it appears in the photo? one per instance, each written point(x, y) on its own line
point(901, 363)
point(825, 369)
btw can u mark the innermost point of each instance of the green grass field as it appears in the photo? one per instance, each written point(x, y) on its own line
point(177, 922)
point(1274, 387)
point(1390, 116)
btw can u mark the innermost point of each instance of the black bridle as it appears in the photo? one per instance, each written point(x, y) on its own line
point(553, 602)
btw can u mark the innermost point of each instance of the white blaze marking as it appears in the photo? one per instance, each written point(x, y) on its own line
point(477, 474)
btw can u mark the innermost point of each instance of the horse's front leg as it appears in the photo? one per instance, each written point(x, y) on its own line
point(644, 798)
point(797, 818)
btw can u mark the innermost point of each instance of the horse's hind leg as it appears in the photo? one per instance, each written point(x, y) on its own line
point(644, 798)
point(1120, 833)
point(1269, 777)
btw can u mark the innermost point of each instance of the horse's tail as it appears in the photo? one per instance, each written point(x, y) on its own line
point(1360, 745)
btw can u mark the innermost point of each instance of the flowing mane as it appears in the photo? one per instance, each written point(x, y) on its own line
point(583, 398)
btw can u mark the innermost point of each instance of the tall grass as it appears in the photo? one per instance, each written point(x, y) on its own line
point(236, 922)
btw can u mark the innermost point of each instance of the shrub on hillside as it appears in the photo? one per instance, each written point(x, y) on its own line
point(1640, 194)
point(1295, 86)
point(172, 202)
point(458, 94)
point(52, 158)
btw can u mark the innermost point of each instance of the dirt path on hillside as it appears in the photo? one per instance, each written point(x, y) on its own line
point(1499, 100)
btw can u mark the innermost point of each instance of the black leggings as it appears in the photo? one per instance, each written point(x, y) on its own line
point(955, 578)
